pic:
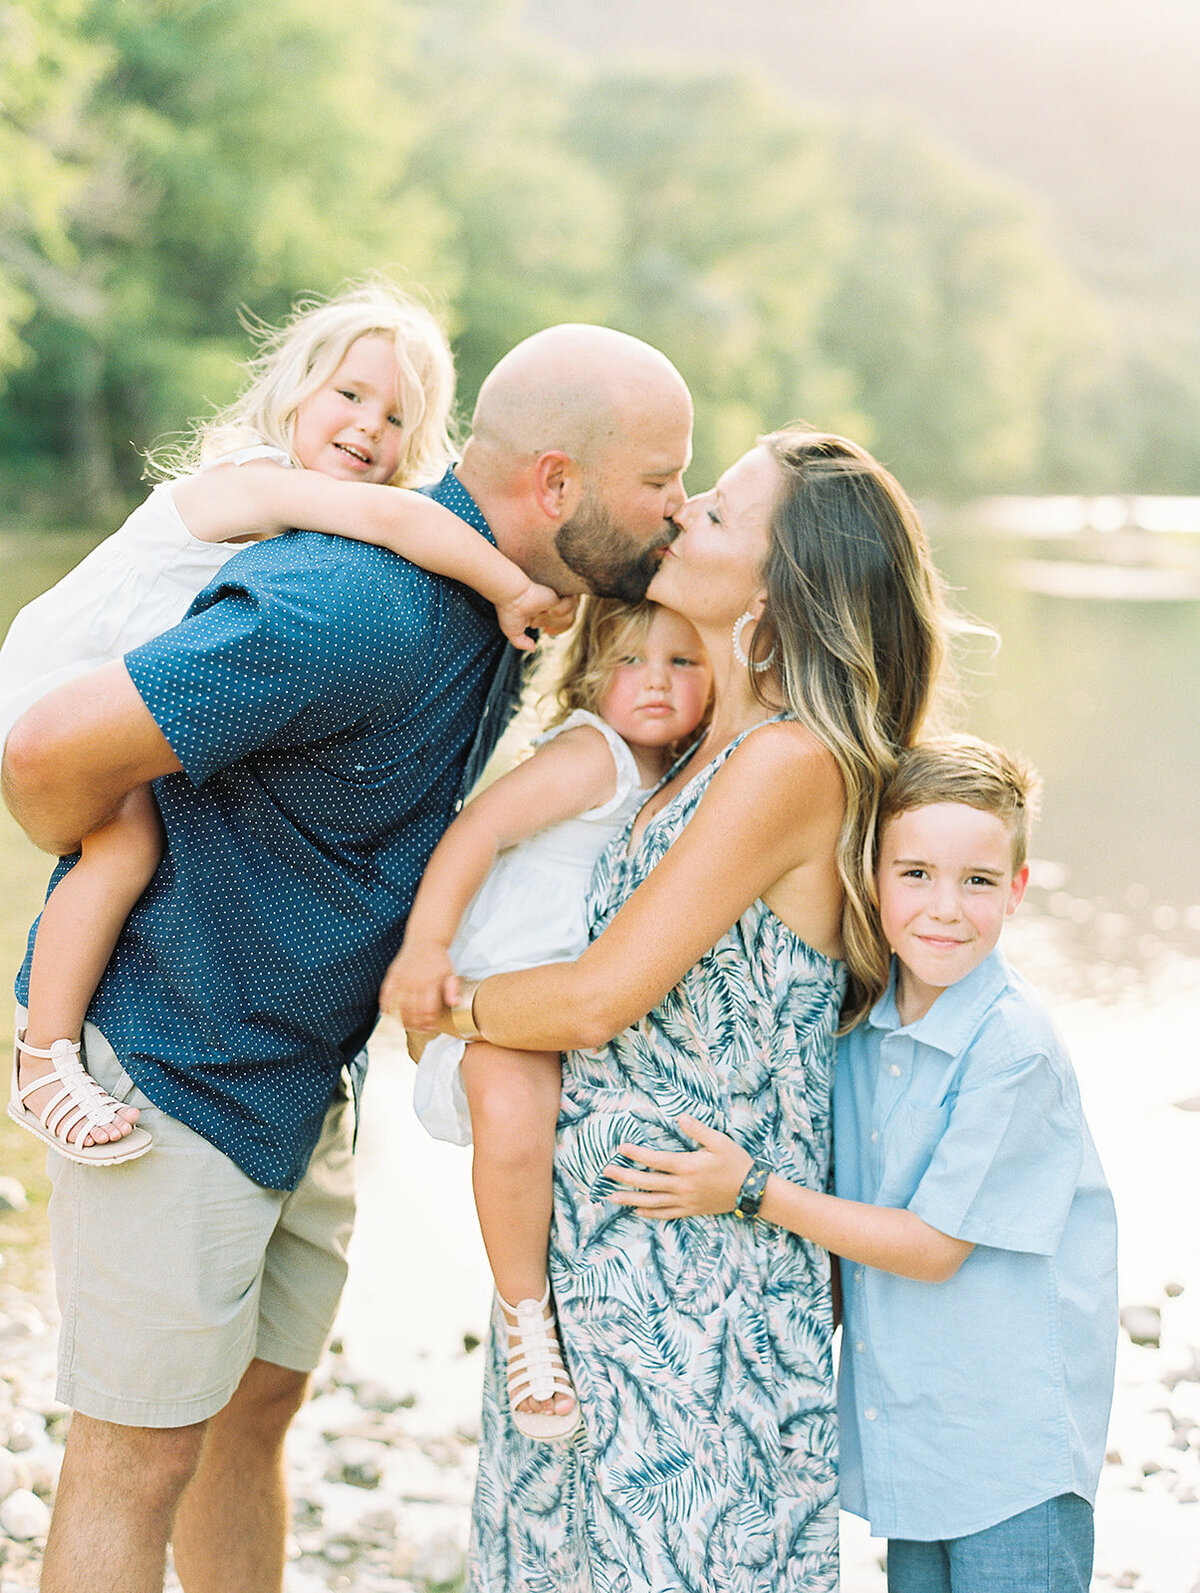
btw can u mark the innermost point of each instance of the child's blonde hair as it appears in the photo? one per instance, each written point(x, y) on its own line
point(606, 630)
point(965, 769)
point(293, 360)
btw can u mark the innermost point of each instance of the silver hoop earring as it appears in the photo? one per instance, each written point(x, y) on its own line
point(739, 652)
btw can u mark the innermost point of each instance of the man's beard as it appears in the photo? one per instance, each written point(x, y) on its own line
point(610, 563)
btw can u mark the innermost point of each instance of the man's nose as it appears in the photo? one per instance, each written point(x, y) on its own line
point(675, 500)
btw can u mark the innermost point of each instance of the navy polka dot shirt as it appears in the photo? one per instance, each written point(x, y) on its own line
point(322, 696)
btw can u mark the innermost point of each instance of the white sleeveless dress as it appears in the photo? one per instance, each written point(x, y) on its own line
point(531, 909)
point(136, 584)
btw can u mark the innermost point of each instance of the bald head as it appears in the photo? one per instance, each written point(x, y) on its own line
point(576, 457)
point(576, 389)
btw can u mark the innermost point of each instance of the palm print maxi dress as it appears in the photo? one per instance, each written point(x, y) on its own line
point(700, 1349)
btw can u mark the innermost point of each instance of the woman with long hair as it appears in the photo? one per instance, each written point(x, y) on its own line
point(729, 944)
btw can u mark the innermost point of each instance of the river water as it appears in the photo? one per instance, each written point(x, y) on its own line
point(1098, 682)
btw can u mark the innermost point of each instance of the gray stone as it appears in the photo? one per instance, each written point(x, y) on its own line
point(23, 1515)
point(1143, 1323)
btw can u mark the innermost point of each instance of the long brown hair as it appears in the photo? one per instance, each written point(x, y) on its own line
point(855, 609)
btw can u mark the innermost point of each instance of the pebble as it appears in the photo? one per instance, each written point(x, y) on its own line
point(12, 1194)
point(379, 1505)
point(23, 1515)
point(382, 1492)
point(1143, 1323)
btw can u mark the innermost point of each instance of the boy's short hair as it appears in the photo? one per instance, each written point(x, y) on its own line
point(965, 769)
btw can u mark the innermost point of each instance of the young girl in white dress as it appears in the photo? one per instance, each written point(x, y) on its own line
point(506, 888)
point(347, 402)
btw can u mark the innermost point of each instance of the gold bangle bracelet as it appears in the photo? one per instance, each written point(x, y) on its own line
point(462, 1013)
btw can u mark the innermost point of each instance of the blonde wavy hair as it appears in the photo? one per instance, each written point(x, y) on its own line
point(856, 615)
point(293, 360)
point(606, 629)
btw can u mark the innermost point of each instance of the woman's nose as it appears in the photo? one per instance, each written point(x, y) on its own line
point(686, 513)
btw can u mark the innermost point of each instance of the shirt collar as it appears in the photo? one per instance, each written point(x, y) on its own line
point(954, 1016)
point(451, 494)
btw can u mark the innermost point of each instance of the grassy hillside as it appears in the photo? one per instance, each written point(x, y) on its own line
point(1089, 104)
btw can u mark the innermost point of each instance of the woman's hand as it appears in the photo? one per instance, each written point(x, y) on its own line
point(420, 986)
point(696, 1183)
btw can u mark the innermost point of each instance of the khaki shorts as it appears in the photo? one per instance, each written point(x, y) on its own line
point(174, 1271)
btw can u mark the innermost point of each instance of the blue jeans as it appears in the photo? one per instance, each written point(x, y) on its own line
point(1044, 1550)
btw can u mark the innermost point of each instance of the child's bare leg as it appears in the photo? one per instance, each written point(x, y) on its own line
point(79, 928)
point(514, 1098)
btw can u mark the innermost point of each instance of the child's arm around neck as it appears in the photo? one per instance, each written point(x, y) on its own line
point(259, 498)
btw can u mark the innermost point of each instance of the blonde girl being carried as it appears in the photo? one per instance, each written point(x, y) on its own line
point(506, 888)
point(347, 402)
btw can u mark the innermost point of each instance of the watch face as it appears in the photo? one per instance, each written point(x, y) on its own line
point(751, 1193)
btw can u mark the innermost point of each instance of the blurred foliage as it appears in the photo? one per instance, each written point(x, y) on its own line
point(167, 166)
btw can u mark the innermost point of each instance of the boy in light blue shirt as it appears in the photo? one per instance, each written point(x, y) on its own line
point(976, 1232)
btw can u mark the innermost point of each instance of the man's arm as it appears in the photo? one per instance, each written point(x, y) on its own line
point(75, 754)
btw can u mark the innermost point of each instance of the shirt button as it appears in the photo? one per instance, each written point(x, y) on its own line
point(870, 1413)
point(860, 1346)
point(874, 1136)
point(894, 1071)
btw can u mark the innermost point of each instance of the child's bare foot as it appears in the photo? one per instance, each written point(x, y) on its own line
point(540, 1393)
point(71, 1112)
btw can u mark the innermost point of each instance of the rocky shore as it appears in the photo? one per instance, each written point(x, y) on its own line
point(382, 1457)
point(380, 1504)
point(381, 1493)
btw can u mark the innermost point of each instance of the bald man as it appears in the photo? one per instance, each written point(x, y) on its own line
point(307, 727)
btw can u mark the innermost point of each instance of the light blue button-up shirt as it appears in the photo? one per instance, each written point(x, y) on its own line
point(966, 1402)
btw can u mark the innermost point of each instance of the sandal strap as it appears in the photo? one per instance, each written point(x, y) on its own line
point(535, 1363)
point(80, 1105)
point(54, 1053)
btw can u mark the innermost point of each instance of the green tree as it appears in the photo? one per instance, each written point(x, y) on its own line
point(730, 229)
point(239, 154)
point(46, 75)
point(951, 312)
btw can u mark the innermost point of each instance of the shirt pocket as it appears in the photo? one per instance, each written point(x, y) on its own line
point(910, 1139)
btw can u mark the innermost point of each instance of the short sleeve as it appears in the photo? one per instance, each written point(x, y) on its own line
point(291, 644)
point(1005, 1171)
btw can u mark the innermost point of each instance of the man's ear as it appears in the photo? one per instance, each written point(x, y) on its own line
point(556, 484)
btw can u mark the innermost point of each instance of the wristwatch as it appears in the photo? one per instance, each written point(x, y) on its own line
point(751, 1193)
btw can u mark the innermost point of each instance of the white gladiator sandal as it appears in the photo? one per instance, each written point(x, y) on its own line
point(536, 1369)
point(79, 1106)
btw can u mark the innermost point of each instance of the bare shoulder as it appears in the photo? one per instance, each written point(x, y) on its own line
point(586, 745)
point(579, 761)
point(785, 758)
